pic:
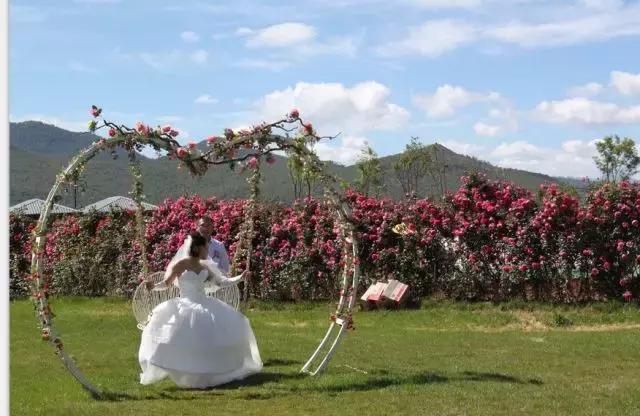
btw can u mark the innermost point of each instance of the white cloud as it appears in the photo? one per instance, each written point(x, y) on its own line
point(469, 149)
point(291, 43)
point(431, 39)
point(347, 153)
point(599, 26)
point(189, 36)
point(585, 111)
point(490, 130)
point(587, 21)
point(573, 157)
point(447, 99)
point(199, 56)
point(344, 46)
point(206, 99)
point(626, 83)
point(280, 35)
point(590, 89)
point(602, 4)
point(334, 108)
point(244, 31)
point(517, 148)
point(580, 148)
point(504, 120)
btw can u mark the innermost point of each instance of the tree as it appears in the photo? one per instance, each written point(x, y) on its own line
point(370, 173)
point(301, 176)
point(296, 168)
point(437, 167)
point(414, 163)
point(618, 158)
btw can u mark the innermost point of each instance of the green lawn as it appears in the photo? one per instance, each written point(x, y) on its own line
point(445, 359)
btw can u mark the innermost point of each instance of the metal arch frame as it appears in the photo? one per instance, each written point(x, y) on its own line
point(341, 320)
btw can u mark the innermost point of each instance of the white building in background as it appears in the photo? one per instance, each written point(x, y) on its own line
point(116, 202)
point(34, 207)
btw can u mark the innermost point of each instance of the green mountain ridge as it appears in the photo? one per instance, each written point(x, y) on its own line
point(39, 151)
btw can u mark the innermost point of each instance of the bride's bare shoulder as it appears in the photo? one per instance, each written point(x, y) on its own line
point(182, 265)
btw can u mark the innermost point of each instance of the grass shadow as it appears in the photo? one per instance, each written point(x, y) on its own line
point(113, 396)
point(261, 378)
point(425, 378)
point(379, 379)
point(278, 362)
point(497, 377)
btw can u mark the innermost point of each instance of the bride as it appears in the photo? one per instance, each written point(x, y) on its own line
point(195, 340)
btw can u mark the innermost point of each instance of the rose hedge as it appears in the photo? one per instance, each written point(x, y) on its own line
point(489, 240)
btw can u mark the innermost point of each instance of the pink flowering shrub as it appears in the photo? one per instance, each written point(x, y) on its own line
point(488, 219)
point(91, 255)
point(96, 255)
point(489, 240)
point(417, 258)
point(20, 228)
point(541, 258)
point(608, 239)
point(301, 256)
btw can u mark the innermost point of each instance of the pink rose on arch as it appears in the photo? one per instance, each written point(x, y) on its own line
point(627, 295)
point(294, 113)
point(308, 128)
point(252, 163)
point(181, 152)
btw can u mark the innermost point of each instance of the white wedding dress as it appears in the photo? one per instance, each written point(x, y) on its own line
point(197, 341)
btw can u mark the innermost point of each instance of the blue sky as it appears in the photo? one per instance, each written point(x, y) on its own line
point(521, 83)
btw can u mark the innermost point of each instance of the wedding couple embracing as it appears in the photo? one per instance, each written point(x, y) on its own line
point(195, 340)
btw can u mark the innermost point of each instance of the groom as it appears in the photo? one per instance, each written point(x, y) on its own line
point(217, 252)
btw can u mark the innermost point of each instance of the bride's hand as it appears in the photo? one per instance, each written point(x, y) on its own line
point(246, 274)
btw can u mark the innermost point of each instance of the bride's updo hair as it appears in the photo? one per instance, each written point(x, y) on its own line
point(197, 241)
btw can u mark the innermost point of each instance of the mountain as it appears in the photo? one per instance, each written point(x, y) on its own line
point(39, 151)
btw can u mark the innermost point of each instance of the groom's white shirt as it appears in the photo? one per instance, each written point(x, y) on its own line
point(218, 255)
